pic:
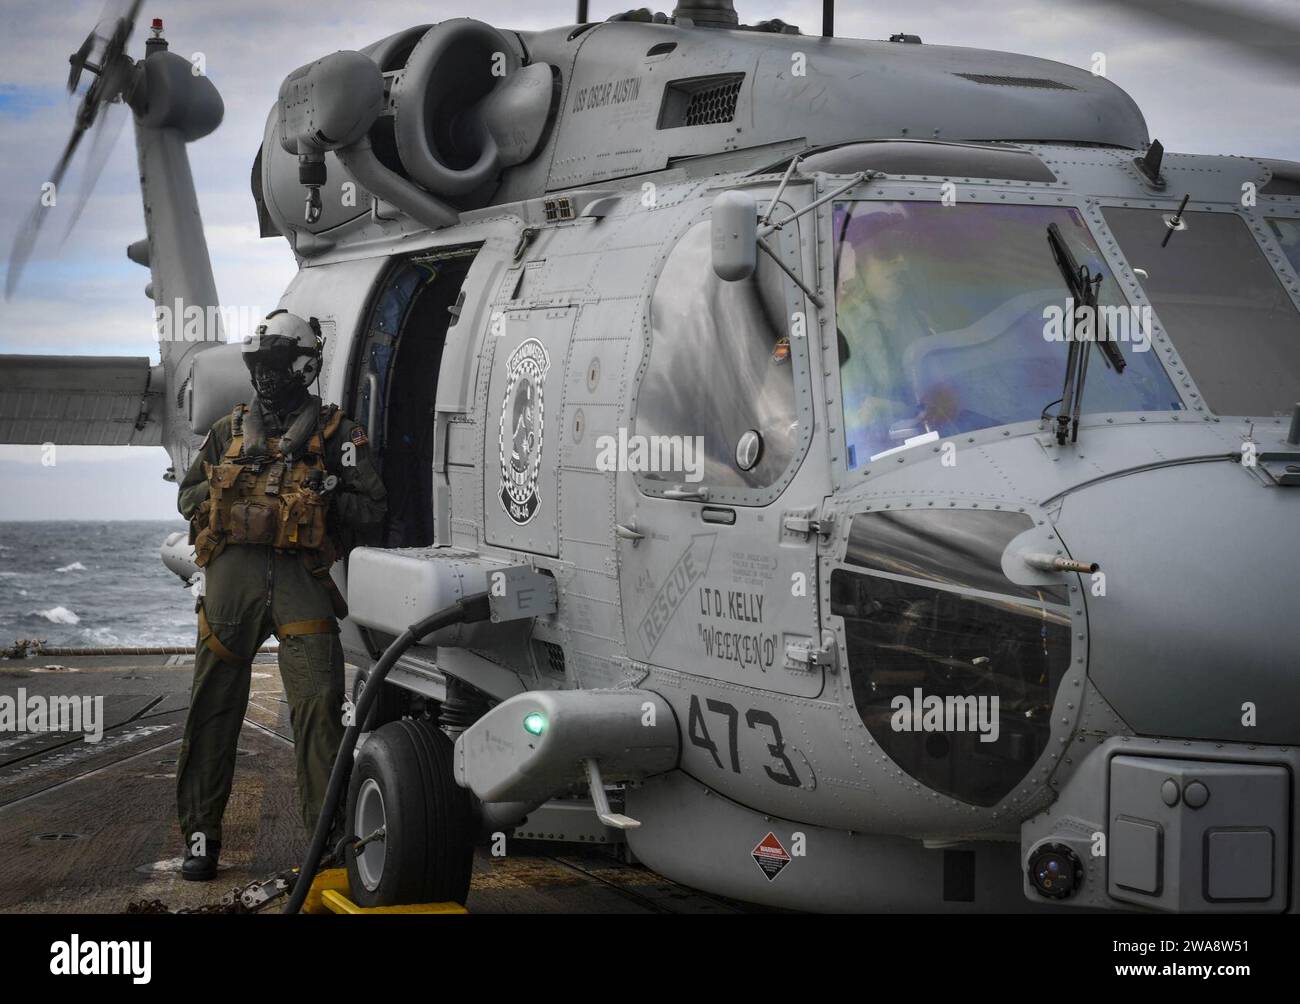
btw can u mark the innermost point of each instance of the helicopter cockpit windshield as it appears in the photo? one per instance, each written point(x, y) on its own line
point(1224, 306)
point(953, 318)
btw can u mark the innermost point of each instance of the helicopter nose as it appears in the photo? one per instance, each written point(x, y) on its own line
point(1193, 627)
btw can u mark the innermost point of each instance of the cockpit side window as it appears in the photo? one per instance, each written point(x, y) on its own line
point(954, 318)
point(718, 405)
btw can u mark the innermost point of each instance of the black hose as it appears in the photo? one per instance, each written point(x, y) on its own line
point(464, 611)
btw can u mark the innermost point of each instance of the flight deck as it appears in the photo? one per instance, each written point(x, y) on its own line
point(91, 827)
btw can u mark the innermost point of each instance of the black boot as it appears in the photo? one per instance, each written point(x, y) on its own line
point(202, 868)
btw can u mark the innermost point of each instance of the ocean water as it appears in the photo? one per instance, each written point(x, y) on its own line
point(91, 583)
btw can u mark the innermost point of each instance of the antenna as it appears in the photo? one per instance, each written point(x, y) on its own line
point(582, 11)
point(828, 18)
point(1149, 165)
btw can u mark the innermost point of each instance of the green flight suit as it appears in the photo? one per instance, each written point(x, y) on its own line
point(249, 592)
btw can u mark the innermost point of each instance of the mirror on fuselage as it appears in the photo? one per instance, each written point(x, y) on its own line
point(733, 227)
point(396, 379)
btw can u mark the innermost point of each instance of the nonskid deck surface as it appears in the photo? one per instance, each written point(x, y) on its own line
point(91, 827)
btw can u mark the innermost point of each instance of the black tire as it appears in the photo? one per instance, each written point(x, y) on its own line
point(403, 779)
point(390, 706)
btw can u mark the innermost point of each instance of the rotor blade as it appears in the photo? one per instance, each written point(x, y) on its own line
point(110, 37)
point(107, 39)
point(114, 12)
point(129, 16)
point(133, 12)
point(1269, 37)
point(25, 239)
point(78, 62)
point(111, 120)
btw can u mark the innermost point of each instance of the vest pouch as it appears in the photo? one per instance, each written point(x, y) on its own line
point(221, 482)
point(252, 522)
point(302, 521)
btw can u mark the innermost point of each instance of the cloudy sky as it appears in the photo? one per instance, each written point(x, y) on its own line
point(1199, 95)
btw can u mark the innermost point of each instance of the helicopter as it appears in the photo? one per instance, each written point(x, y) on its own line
point(756, 497)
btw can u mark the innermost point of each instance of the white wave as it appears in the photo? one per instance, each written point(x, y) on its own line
point(10, 575)
point(101, 636)
point(57, 615)
point(76, 566)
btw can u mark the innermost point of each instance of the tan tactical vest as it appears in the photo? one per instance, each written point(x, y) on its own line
point(271, 501)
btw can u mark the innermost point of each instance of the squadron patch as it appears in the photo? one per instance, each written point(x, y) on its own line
point(359, 435)
point(520, 439)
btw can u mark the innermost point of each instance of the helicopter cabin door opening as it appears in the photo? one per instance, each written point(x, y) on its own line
point(396, 380)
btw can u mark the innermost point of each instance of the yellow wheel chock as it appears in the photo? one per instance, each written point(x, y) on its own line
point(329, 894)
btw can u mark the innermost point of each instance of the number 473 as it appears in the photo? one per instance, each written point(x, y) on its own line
point(698, 732)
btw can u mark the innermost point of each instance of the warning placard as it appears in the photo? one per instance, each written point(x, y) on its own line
point(771, 856)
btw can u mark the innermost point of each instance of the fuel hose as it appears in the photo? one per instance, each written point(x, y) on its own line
point(464, 611)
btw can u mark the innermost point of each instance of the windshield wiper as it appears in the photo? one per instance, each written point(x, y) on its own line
point(1083, 287)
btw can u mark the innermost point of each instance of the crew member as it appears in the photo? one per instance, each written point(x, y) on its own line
point(279, 490)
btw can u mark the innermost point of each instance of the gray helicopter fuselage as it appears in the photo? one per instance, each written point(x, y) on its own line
point(725, 605)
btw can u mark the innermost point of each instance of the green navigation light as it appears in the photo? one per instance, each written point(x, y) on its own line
point(535, 723)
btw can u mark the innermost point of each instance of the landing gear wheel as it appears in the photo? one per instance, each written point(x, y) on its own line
point(402, 782)
point(390, 706)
